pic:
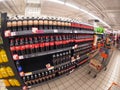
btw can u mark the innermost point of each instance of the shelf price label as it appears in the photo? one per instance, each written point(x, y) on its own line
point(7, 33)
point(15, 57)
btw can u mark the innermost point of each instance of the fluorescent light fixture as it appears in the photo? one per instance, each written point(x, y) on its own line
point(56, 1)
point(73, 6)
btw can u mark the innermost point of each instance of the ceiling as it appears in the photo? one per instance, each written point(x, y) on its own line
point(107, 10)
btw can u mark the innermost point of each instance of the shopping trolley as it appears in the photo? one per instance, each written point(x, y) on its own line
point(98, 63)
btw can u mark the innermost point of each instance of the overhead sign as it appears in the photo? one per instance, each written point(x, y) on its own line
point(99, 30)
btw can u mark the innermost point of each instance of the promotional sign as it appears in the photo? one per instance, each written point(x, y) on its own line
point(99, 30)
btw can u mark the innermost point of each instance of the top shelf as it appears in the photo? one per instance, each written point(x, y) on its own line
point(30, 32)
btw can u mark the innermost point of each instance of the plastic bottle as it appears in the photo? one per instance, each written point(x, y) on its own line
point(10, 71)
point(3, 56)
point(3, 72)
point(16, 82)
point(6, 82)
point(11, 81)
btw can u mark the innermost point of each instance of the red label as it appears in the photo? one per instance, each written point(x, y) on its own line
point(64, 42)
point(27, 46)
point(60, 42)
point(47, 44)
point(17, 48)
point(51, 43)
point(36, 45)
point(41, 45)
point(31, 46)
point(56, 42)
point(22, 47)
point(12, 48)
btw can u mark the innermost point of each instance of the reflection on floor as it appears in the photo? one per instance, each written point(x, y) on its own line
point(80, 80)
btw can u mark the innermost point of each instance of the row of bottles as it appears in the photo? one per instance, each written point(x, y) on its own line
point(3, 57)
point(6, 72)
point(62, 57)
point(82, 48)
point(43, 23)
point(29, 45)
point(38, 77)
point(11, 82)
point(66, 68)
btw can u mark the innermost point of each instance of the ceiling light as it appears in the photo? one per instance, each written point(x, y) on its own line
point(73, 6)
point(57, 1)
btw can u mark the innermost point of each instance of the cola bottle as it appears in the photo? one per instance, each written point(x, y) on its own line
point(40, 23)
point(12, 46)
point(45, 23)
point(36, 44)
point(35, 22)
point(40, 78)
point(60, 41)
point(9, 24)
point(54, 23)
point(17, 47)
point(56, 42)
point(27, 46)
point(30, 23)
point(50, 23)
point(25, 24)
point(22, 46)
point(41, 43)
point(51, 42)
point(47, 43)
point(59, 24)
point(14, 25)
point(19, 24)
point(32, 48)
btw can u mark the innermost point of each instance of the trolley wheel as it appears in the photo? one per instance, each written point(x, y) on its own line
point(89, 72)
point(105, 69)
point(95, 76)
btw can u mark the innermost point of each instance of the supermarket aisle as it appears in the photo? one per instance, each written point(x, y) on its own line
point(80, 80)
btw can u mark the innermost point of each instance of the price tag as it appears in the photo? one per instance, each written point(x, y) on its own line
point(21, 57)
point(15, 57)
point(29, 73)
point(7, 33)
point(55, 30)
point(34, 30)
point(75, 31)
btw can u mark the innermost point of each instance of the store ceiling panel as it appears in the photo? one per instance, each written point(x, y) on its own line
point(107, 10)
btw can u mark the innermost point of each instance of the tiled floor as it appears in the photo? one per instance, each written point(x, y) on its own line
point(80, 80)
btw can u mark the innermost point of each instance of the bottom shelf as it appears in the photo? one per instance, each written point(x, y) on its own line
point(59, 72)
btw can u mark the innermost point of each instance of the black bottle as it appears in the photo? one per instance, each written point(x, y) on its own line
point(36, 79)
point(27, 46)
point(17, 46)
point(14, 25)
point(59, 24)
point(56, 42)
point(22, 46)
point(19, 24)
point(54, 23)
point(41, 44)
point(39, 78)
point(30, 23)
point(50, 23)
point(47, 44)
point(32, 48)
point(51, 42)
point(45, 23)
point(57, 58)
point(40, 23)
point(60, 41)
point(9, 24)
point(35, 22)
point(25, 24)
point(12, 46)
point(36, 44)
point(54, 59)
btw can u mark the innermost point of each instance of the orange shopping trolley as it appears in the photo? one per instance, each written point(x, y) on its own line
point(98, 63)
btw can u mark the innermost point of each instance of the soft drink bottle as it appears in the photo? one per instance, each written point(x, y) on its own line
point(19, 24)
point(14, 25)
point(36, 44)
point(46, 43)
point(27, 46)
point(32, 48)
point(25, 24)
point(22, 46)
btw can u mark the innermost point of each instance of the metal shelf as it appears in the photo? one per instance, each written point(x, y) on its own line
point(43, 53)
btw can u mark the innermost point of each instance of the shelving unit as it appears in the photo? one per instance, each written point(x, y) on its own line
point(39, 54)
